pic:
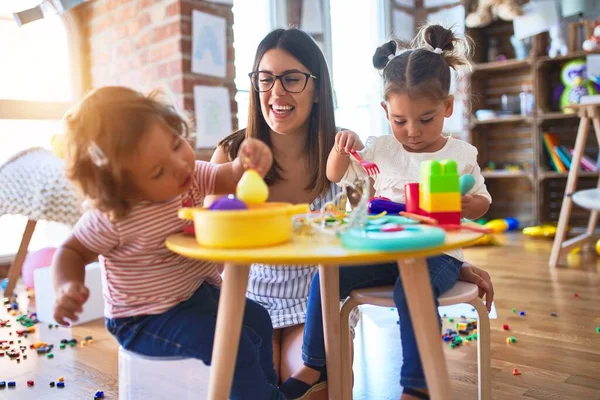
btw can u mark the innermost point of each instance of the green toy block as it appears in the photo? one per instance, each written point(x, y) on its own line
point(439, 177)
point(433, 167)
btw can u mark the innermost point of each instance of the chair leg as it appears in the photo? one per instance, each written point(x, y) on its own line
point(484, 367)
point(15, 267)
point(347, 347)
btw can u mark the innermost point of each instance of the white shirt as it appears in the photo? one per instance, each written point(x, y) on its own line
point(398, 167)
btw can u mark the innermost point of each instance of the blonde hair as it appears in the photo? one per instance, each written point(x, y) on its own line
point(423, 69)
point(101, 131)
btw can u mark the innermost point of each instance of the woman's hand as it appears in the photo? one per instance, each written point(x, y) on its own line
point(255, 154)
point(470, 273)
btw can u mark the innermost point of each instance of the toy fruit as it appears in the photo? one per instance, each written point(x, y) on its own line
point(466, 182)
point(228, 203)
point(251, 188)
point(598, 247)
point(540, 231)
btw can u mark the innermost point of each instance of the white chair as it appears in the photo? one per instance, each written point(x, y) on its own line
point(159, 378)
point(461, 292)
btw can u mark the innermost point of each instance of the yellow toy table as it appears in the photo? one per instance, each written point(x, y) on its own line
point(328, 253)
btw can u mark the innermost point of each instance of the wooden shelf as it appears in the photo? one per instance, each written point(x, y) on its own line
point(503, 120)
point(502, 65)
point(556, 115)
point(568, 57)
point(505, 174)
point(553, 174)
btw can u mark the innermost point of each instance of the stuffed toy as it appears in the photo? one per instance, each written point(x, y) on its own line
point(558, 44)
point(575, 84)
point(593, 43)
point(489, 10)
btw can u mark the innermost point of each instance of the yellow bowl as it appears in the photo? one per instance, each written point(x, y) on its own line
point(260, 225)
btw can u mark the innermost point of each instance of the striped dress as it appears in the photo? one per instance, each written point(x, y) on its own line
point(283, 289)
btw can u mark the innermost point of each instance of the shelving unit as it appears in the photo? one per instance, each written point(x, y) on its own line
point(532, 195)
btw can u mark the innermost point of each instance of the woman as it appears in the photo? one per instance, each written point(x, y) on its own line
point(291, 109)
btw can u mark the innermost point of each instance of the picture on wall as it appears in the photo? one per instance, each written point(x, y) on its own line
point(209, 50)
point(212, 110)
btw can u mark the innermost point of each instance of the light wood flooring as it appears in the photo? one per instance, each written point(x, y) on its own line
point(559, 357)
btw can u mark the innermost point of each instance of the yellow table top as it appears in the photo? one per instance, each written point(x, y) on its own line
point(318, 249)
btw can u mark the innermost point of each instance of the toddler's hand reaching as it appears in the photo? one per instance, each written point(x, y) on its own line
point(70, 298)
point(346, 141)
point(255, 154)
point(466, 204)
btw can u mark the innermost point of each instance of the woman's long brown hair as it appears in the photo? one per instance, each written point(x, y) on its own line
point(321, 127)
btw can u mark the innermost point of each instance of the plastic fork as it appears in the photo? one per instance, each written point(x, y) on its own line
point(369, 167)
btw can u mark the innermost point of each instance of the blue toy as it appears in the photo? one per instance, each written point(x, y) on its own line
point(411, 237)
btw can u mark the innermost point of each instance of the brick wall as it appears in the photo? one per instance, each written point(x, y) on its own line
point(145, 44)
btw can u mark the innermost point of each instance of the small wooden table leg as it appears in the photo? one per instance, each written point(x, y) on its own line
point(419, 296)
point(230, 314)
point(17, 264)
point(567, 204)
point(330, 297)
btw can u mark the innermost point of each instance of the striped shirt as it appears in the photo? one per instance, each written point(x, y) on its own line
point(283, 289)
point(140, 276)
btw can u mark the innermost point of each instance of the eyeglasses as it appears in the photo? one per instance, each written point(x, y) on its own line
point(292, 81)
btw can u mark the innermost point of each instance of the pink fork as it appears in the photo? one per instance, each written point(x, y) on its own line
point(369, 167)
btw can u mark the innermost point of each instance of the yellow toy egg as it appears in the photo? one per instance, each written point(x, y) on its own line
point(598, 247)
point(251, 188)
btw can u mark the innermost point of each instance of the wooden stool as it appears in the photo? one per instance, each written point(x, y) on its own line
point(461, 292)
point(587, 113)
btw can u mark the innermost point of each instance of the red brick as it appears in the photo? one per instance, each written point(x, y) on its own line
point(124, 49)
point(125, 13)
point(145, 39)
point(101, 57)
point(173, 9)
point(166, 31)
point(99, 25)
point(164, 51)
point(176, 85)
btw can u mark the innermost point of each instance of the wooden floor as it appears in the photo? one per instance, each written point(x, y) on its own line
point(559, 357)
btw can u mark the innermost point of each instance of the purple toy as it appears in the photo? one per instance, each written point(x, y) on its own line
point(379, 205)
point(229, 202)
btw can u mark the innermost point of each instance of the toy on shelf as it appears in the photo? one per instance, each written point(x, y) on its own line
point(593, 42)
point(598, 247)
point(558, 44)
point(575, 84)
point(489, 10)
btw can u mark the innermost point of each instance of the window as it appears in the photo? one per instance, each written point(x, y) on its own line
point(252, 20)
point(36, 88)
point(357, 85)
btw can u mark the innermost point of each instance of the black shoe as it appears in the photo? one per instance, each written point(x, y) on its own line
point(294, 389)
point(416, 393)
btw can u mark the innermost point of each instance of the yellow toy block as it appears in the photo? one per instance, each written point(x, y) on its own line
point(440, 202)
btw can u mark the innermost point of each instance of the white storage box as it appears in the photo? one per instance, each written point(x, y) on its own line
point(155, 378)
point(45, 296)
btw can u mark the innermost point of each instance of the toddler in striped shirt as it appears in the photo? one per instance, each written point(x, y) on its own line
point(128, 154)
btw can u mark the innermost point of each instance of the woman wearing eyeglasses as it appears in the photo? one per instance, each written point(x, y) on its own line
point(291, 109)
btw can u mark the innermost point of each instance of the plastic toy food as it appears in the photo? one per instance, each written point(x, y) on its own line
point(252, 189)
point(228, 203)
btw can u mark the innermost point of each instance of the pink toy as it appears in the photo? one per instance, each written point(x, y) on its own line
point(34, 260)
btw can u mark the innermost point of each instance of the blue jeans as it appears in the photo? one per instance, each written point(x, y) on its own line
point(188, 330)
point(443, 272)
